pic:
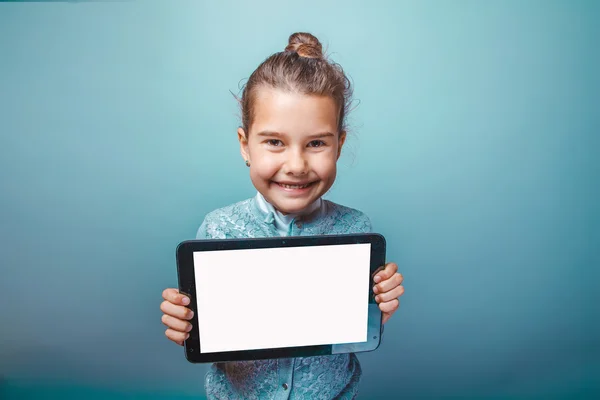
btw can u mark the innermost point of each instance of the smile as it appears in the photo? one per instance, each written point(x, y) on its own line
point(294, 187)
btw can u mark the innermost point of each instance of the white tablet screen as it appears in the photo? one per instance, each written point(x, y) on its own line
point(282, 297)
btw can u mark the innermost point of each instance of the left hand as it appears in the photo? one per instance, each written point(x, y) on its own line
point(388, 288)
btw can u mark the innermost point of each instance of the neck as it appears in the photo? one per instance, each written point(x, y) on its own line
point(266, 206)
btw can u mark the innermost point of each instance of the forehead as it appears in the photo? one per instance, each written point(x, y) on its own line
point(293, 113)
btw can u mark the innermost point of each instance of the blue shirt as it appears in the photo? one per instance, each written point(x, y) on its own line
point(322, 377)
point(283, 223)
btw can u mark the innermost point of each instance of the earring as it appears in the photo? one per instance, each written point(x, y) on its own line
point(247, 163)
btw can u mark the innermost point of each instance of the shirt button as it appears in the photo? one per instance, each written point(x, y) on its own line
point(285, 386)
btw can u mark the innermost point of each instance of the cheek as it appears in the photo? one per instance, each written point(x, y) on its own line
point(325, 167)
point(264, 166)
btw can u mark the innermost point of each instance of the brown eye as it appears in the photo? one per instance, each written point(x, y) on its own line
point(316, 143)
point(274, 142)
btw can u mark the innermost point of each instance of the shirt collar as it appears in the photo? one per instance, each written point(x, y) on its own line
point(282, 222)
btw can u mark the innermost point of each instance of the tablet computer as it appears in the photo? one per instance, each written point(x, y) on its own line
point(264, 298)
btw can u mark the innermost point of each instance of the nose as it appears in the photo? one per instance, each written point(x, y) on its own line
point(296, 163)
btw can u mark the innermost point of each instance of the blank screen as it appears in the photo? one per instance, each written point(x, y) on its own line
point(282, 297)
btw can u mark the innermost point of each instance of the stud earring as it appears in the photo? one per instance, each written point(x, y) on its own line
point(247, 163)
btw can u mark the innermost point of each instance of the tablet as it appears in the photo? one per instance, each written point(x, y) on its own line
point(265, 298)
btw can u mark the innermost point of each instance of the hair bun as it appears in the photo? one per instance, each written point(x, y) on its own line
point(305, 44)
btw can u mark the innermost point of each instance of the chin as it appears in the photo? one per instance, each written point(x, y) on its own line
point(291, 207)
point(292, 200)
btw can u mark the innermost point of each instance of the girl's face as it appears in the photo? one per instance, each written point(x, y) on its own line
point(293, 146)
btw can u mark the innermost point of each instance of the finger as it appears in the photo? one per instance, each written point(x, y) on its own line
point(176, 324)
point(172, 295)
point(389, 296)
point(388, 284)
point(177, 337)
point(377, 271)
point(389, 306)
point(389, 270)
point(176, 311)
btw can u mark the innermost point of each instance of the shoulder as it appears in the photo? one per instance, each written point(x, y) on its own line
point(230, 211)
point(347, 218)
point(217, 222)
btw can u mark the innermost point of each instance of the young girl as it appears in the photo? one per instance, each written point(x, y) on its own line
point(293, 111)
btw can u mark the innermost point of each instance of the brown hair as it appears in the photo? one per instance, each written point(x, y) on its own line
point(302, 68)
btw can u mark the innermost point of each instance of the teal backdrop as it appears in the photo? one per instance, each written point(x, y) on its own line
point(473, 148)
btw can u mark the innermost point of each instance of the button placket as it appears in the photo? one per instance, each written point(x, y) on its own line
point(285, 375)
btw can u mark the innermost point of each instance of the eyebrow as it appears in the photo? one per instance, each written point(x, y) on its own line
point(278, 134)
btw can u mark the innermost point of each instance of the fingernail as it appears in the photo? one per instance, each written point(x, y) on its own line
point(377, 299)
point(375, 289)
point(377, 279)
point(188, 328)
point(185, 300)
point(187, 336)
point(191, 315)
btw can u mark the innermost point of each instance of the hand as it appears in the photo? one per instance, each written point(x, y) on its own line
point(388, 289)
point(176, 315)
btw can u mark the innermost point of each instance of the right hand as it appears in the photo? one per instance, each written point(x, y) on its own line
point(176, 315)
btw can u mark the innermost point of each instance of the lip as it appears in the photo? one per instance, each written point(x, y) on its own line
point(295, 190)
point(294, 183)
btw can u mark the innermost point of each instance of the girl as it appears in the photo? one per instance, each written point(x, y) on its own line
point(293, 111)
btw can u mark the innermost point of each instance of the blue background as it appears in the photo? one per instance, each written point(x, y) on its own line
point(473, 150)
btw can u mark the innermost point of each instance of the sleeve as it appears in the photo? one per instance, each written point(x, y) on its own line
point(201, 233)
point(368, 224)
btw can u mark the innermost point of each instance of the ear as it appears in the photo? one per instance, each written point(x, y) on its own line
point(243, 138)
point(341, 141)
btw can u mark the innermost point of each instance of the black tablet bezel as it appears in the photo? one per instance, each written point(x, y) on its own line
point(186, 278)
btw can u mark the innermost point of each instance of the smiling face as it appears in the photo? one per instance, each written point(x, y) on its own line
point(292, 145)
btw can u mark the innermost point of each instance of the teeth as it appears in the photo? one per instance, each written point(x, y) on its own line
point(294, 186)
